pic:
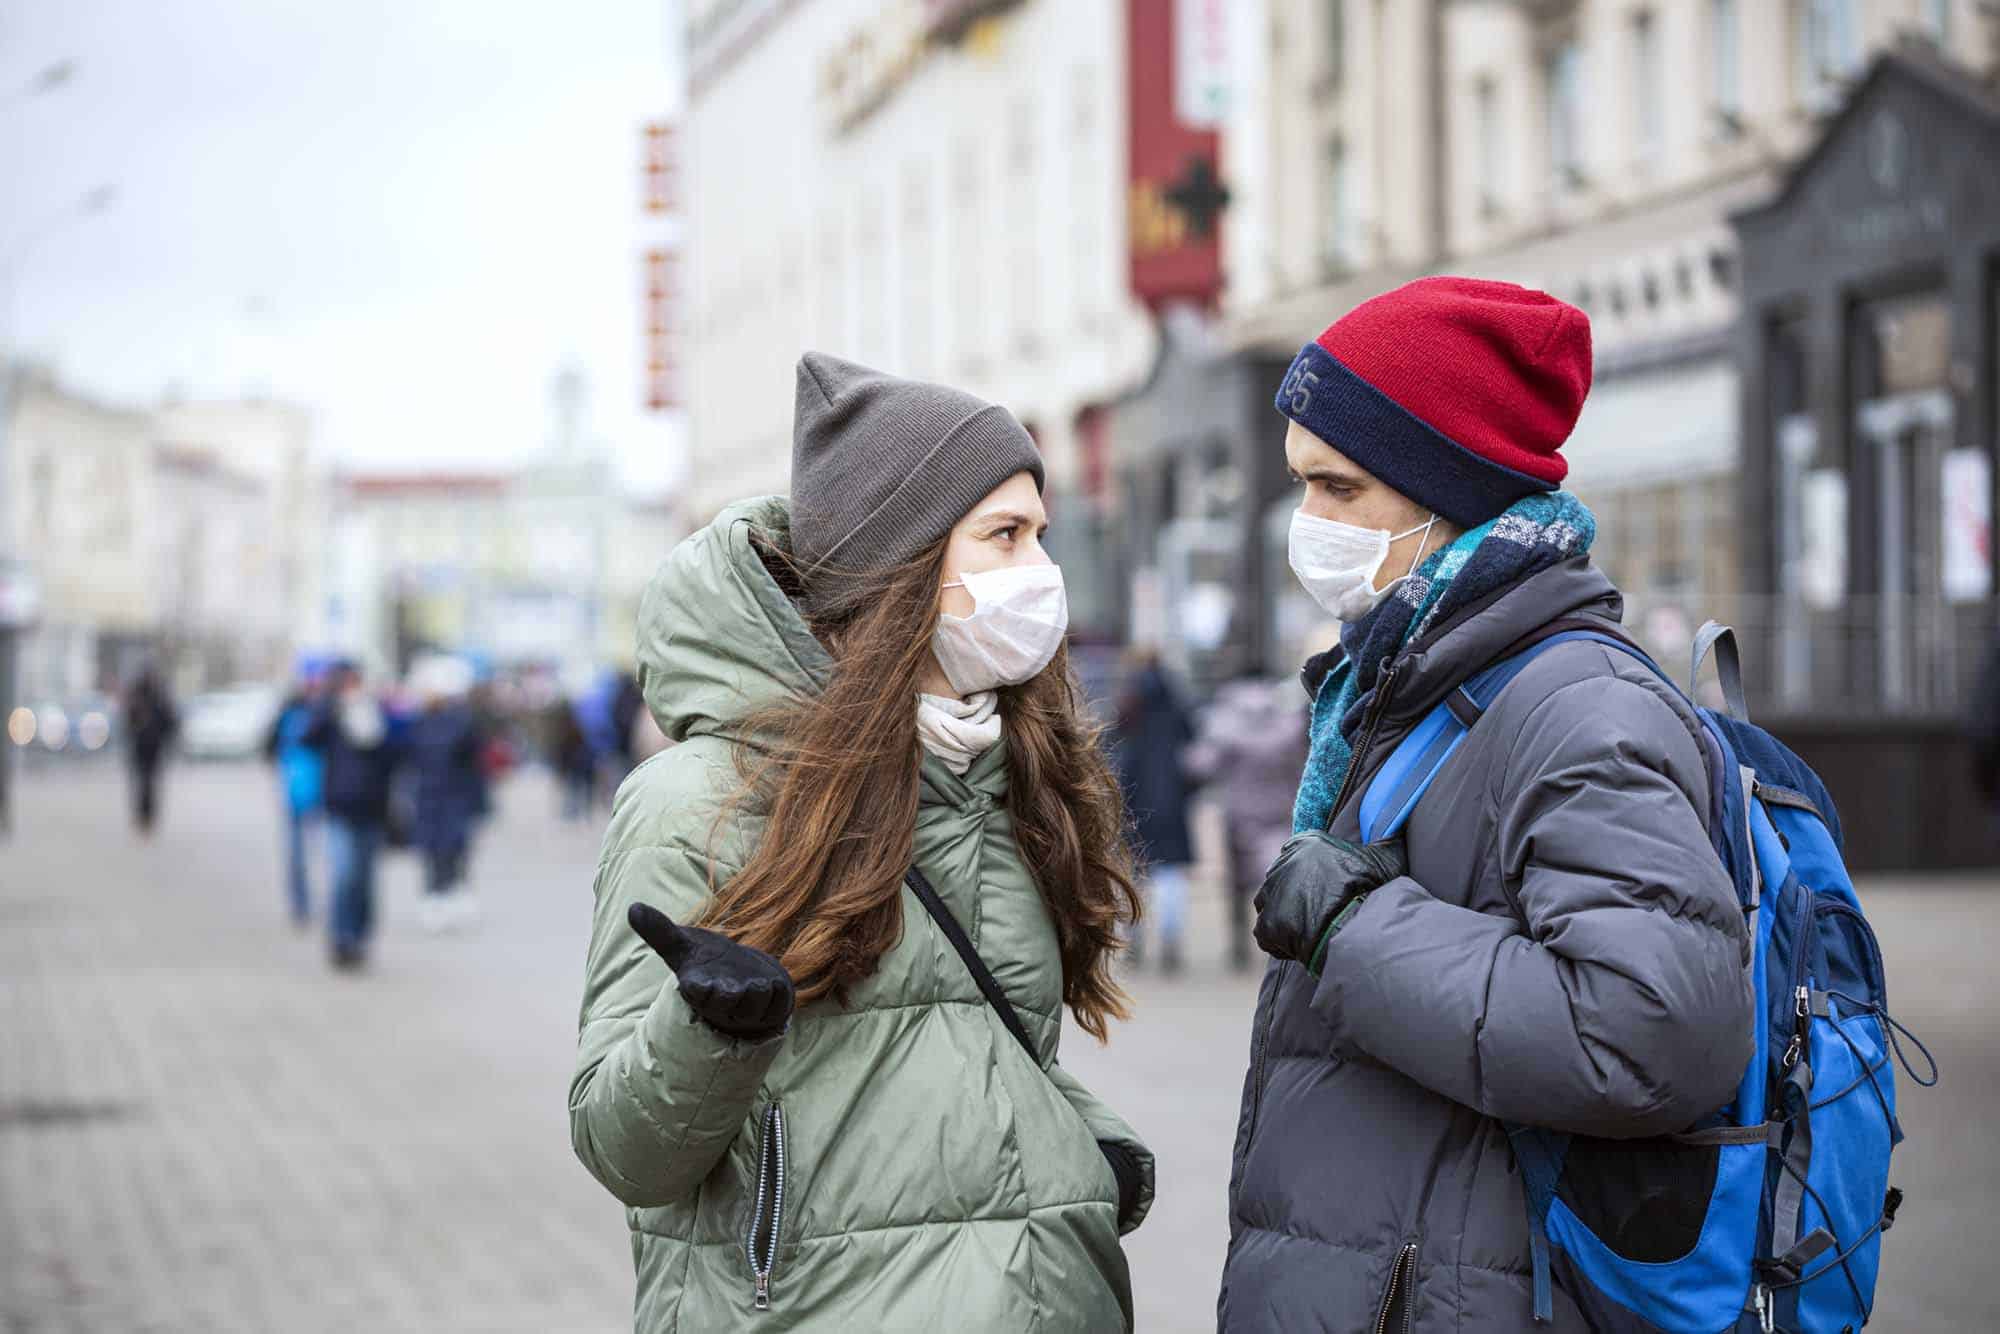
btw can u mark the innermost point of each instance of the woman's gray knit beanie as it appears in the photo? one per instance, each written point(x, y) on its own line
point(883, 468)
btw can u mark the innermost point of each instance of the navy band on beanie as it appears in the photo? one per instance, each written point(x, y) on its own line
point(1457, 392)
point(1398, 448)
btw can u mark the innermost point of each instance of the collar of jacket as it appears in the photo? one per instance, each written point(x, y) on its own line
point(1442, 658)
point(982, 788)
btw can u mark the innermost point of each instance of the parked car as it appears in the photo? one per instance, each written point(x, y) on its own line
point(81, 726)
point(228, 724)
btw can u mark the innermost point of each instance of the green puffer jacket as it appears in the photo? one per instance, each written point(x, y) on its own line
point(916, 1170)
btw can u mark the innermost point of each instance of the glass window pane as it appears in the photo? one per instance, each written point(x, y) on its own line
point(1561, 77)
point(1486, 110)
point(1723, 31)
point(1647, 111)
point(1334, 208)
point(1336, 40)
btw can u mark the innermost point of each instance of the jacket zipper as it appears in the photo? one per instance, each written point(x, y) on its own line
point(1401, 1276)
point(762, 1243)
point(1801, 992)
point(1375, 712)
point(1380, 707)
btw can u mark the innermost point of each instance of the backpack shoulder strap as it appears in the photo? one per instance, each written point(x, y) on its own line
point(1420, 756)
point(982, 976)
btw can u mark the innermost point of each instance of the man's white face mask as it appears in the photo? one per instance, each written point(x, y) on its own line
point(1337, 562)
point(1019, 616)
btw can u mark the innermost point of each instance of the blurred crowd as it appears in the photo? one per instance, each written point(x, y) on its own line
point(365, 768)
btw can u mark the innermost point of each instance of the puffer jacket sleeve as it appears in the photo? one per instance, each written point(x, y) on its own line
point(1623, 1008)
point(1108, 1127)
point(658, 1095)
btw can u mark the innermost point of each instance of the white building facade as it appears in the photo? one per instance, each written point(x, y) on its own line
point(180, 532)
point(932, 189)
point(1593, 148)
point(541, 566)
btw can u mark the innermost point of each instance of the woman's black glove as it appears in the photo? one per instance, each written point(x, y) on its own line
point(738, 991)
point(1125, 1167)
point(1314, 880)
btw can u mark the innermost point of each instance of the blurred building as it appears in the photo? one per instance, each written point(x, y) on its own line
point(1779, 216)
point(933, 188)
point(179, 532)
point(1594, 148)
point(543, 565)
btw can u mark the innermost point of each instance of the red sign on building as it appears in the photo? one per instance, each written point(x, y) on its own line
point(660, 275)
point(659, 180)
point(1175, 196)
point(662, 370)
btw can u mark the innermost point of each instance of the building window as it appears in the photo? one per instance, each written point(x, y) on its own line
point(1336, 42)
point(1024, 283)
point(1726, 88)
point(1486, 112)
point(919, 282)
point(1827, 38)
point(1336, 208)
point(1937, 21)
point(967, 265)
point(1648, 104)
point(1562, 78)
point(1086, 189)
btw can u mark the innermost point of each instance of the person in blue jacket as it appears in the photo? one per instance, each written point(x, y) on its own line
point(446, 742)
point(352, 733)
point(1153, 730)
point(302, 775)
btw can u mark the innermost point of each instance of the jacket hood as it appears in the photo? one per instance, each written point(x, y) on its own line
point(718, 639)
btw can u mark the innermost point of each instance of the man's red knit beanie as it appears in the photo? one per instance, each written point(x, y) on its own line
point(1458, 393)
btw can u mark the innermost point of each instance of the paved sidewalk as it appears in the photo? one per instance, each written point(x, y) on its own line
point(202, 1128)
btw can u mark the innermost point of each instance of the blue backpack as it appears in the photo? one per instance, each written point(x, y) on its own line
point(1769, 1215)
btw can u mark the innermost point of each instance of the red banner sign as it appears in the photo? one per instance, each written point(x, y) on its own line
point(1175, 196)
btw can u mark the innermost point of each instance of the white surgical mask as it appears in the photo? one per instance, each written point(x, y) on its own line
point(1019, 616)
point(1337, 562)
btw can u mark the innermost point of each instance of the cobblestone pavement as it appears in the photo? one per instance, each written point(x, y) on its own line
point(203, 1128)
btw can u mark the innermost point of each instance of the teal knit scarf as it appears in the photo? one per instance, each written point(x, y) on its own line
point(1536, 532)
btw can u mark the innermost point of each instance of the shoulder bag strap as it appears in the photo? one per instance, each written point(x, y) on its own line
point(988, 986)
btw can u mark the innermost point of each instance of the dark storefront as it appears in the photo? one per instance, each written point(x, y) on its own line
point(1871, 289)
point(1200, 463)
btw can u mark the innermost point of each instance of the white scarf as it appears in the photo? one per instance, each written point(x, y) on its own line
point(959, 731)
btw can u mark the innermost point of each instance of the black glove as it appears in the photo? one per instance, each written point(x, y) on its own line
point(738, 991)
point(1125, 1167)
point(1314, 878)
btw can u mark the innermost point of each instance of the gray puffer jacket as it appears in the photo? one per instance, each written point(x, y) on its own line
point(1566, 951)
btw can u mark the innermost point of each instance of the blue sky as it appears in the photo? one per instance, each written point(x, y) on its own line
point(402, 213)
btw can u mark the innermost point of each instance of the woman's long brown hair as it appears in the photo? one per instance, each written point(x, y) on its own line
point(823, 889)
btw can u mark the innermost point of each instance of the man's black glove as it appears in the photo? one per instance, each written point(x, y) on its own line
point(738, 991)
point(1314, 880)
point(1125, 1167)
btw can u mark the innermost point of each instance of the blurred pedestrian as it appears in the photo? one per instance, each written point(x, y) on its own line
point(575, 762)
point(1551, 941)
point(302, 778)
point(777, 1045)
point(626, 706)
point(151, 723)
point(447, 760)
point(1148, 742)
point(1248, 753)
point(350, 729)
